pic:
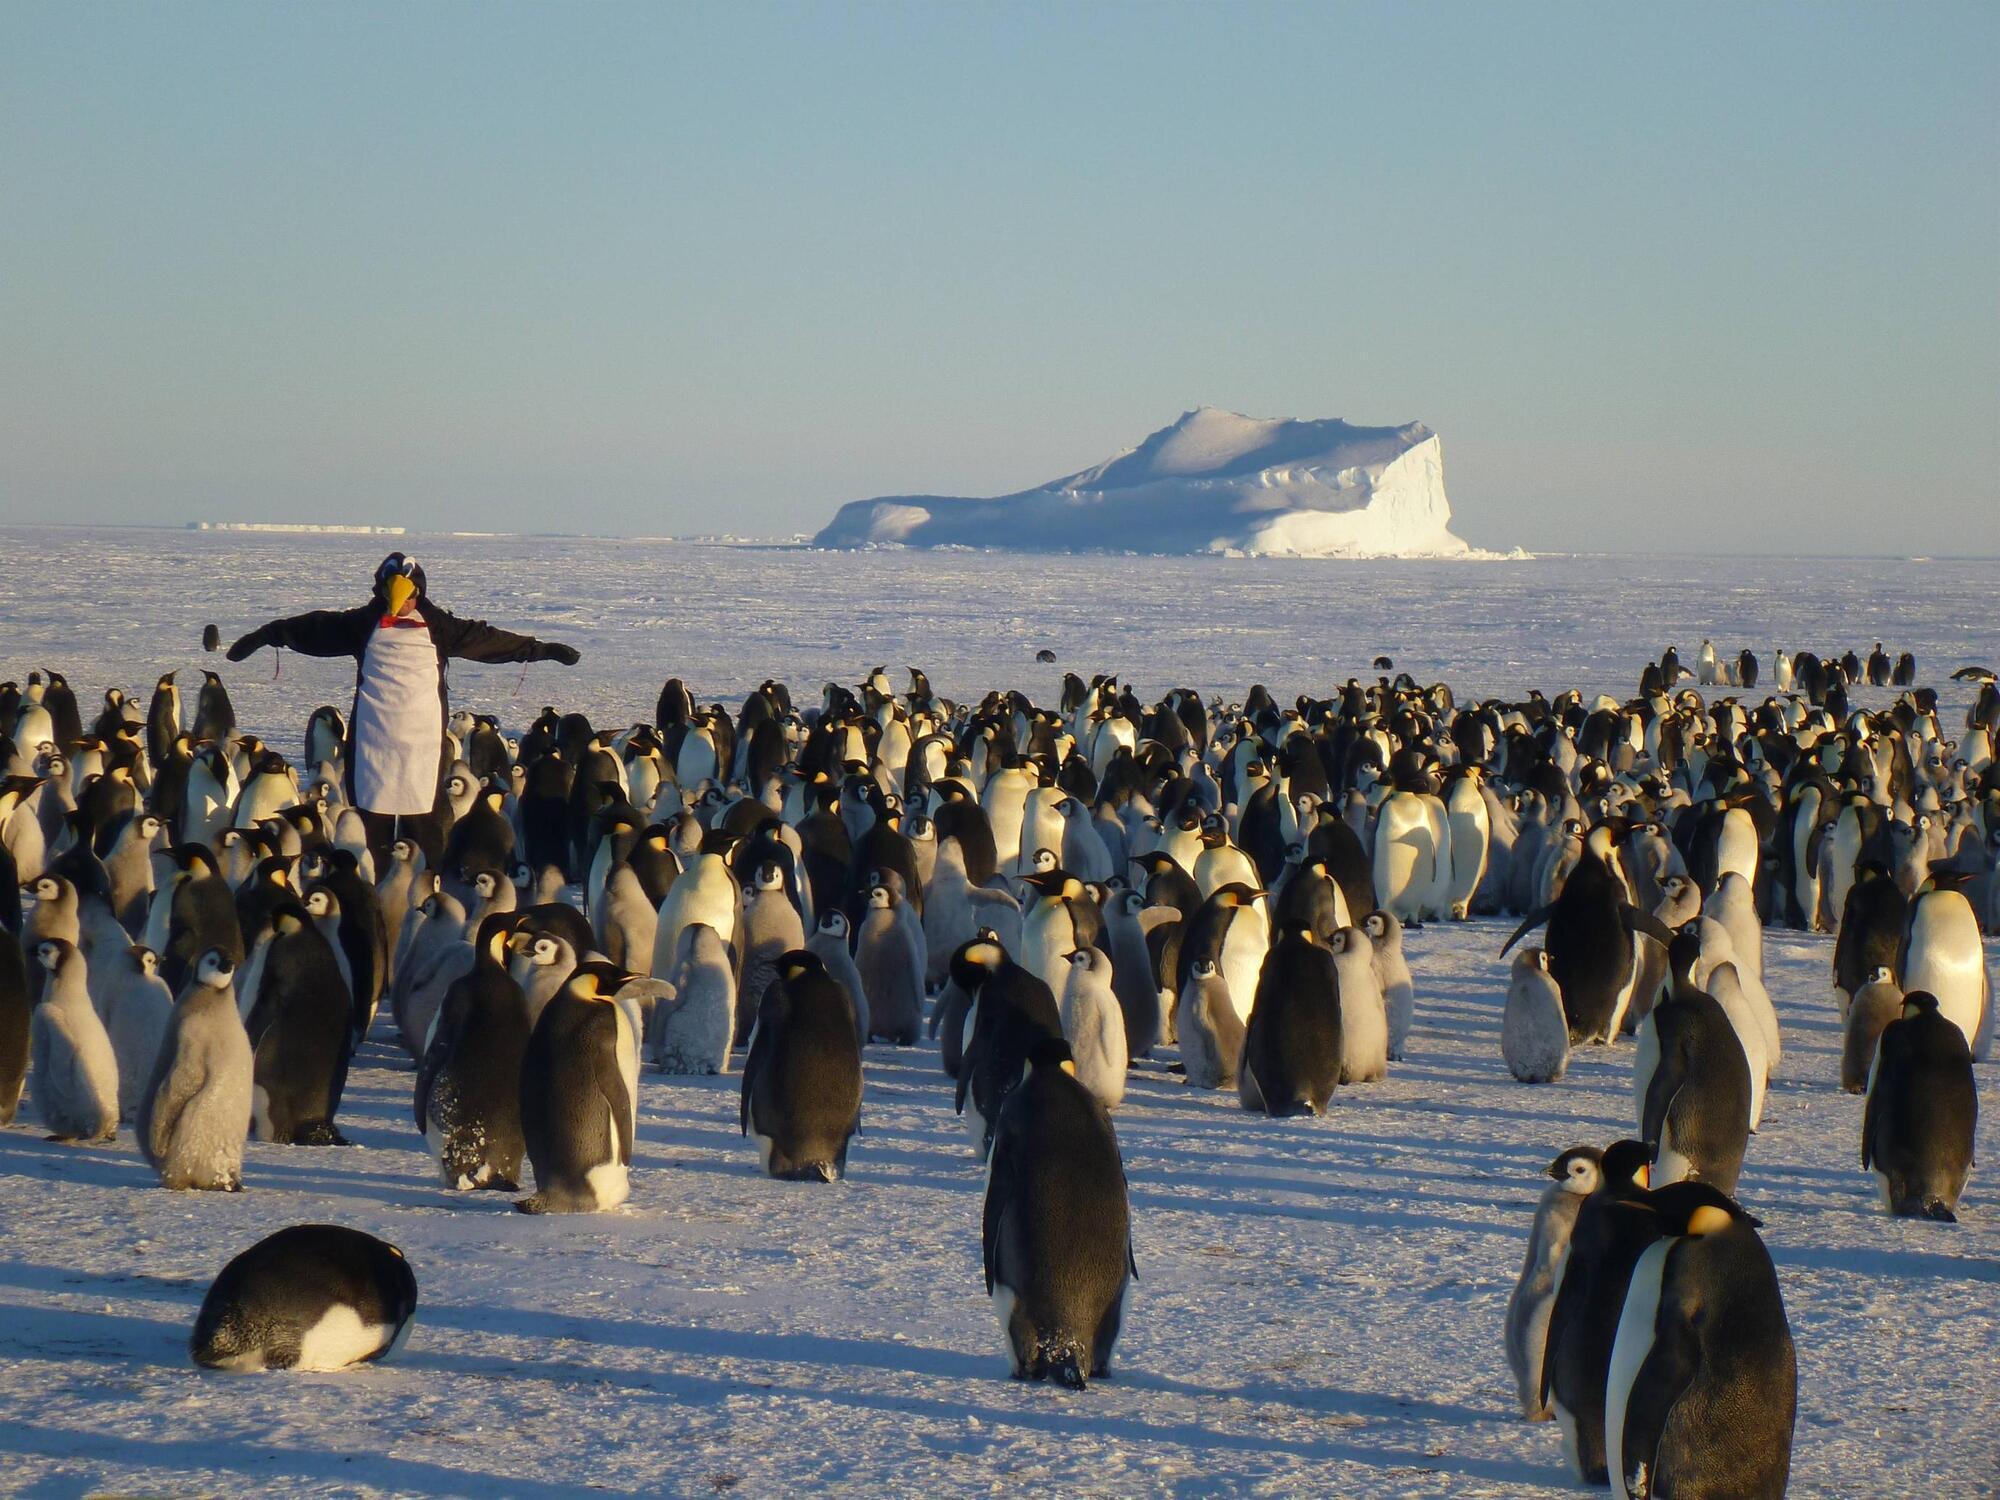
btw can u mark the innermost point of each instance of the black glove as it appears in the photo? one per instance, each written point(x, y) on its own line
point(246, 644)
point(557, 651)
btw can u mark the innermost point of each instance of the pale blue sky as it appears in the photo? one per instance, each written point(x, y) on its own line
point(1717, 277)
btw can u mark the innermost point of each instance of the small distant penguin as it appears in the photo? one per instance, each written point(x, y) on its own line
point(1876, 1004)
point(580, 1096)
point(1534, 1036)
point(214, 716)
point(888, 953)
point(1577, 1173)
point(468, 1095)
point(1211, 1032)
point(194, 1112)
point(311, 1297)
point(16, 1024)
point(1094, 1027)
point(1056, 1234)
point(1917, 1127)
point(1392, 977)
point(1293, 1057)
point(801, 1096)
point(138, 1008)
point(829, 944)
point(693, 1035)
point(1364, 1021)
point(1702, 1390)
point(74, 1069)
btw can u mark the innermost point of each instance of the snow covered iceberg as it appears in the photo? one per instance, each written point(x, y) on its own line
point(1213, 481)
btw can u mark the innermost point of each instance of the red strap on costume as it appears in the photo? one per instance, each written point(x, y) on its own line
point(402, 622)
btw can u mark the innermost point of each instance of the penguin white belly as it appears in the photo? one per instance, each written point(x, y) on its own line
point(398, 723)
point(1946, 957)
point(1634, 1341)
point(1470, 834)
point(340, 1338)
point(1004, 1302)
point(1242, 962)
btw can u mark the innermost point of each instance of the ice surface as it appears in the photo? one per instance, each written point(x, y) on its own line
point(1320, 1303)
point(1212, 481)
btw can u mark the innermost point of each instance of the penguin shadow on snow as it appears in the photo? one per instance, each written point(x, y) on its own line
point(24, 1153)
point(1036, 1407)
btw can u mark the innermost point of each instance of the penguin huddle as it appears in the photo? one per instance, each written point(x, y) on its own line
point(1055, 893)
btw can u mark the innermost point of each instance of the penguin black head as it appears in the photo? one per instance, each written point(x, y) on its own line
point(1919, 1003)
point(977, 960)
point(1695, 1209)
point(1626, 1165)
point(1052, 1052)
point(596, 980)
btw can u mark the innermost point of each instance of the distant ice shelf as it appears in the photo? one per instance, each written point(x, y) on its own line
point(297, 527)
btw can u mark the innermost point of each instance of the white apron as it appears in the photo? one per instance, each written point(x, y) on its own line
point(398, 722)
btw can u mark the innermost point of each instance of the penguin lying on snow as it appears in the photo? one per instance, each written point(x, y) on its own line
point(312, 1297)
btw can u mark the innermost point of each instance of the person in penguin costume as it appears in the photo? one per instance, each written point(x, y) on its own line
point(1702, 1391)
point(400, 641)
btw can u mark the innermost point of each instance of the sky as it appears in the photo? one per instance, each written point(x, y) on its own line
point(1709, 278)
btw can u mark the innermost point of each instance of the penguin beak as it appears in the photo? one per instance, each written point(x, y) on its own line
point(400, 591)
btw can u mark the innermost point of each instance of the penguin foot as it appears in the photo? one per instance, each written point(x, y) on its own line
point(530, 1205)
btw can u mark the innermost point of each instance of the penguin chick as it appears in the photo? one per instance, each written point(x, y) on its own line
point(74, 1071)
point(194, 1111)
point(1576, 1173)
point(1094, 1026)
point(1534, 1036)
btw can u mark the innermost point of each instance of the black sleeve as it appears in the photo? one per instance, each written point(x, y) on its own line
point(321, 632)
point(475, 640)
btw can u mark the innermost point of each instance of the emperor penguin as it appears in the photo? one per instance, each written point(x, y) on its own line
point(1923, 1106)
point(1471, 834)
point(194, 1110)
point(129, 868)
point(1692, 1083)
point(54, 918)
point(1232, 931)
point(1942, 954)
point(300, 1027)
point(397, 896)
point(540, 963)
point(1876, 1004)
point(1577, 1173)
point(629, 923)
point(1293, 1056)
point(16, 1024)
point(1613, 1228)
point(138, 1009)
point(1012, 1011)
point(1132, 981)
point(1534, 1037)
point(1364, 1019)
point(208, 797)
point(1056, 1234)
point(74, 1069)
point(830, 944)
point(270, 788)
point(1702, 1390)
point(580, 1096)
point(1392, 977)
point(704, 892)
point(693, 1035)
point(772, 926)
point(801, 1095)
point(1407, 854)
point(468, 1095)
point(1094, 1027)
point(1211, 1030)
point(311, 1297)
point(888, 953)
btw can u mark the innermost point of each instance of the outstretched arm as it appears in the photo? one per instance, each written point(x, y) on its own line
point(475, 640)
point(319, 632)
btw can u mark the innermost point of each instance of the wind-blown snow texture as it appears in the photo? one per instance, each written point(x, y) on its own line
point(1211, 481)
point(1320, 1302)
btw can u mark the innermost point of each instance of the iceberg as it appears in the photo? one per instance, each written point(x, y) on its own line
point(1213, 481)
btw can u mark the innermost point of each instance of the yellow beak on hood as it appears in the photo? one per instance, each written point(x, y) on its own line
point(400, 592)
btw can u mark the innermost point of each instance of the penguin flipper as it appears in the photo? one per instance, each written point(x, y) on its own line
point(1569, 1300)
point(1662, 1380)
point(1638, 920)
point(1668, 1077)
point(1529, 923)
point(999, 1192)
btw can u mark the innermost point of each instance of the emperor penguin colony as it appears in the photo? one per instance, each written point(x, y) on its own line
point(572, 956)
